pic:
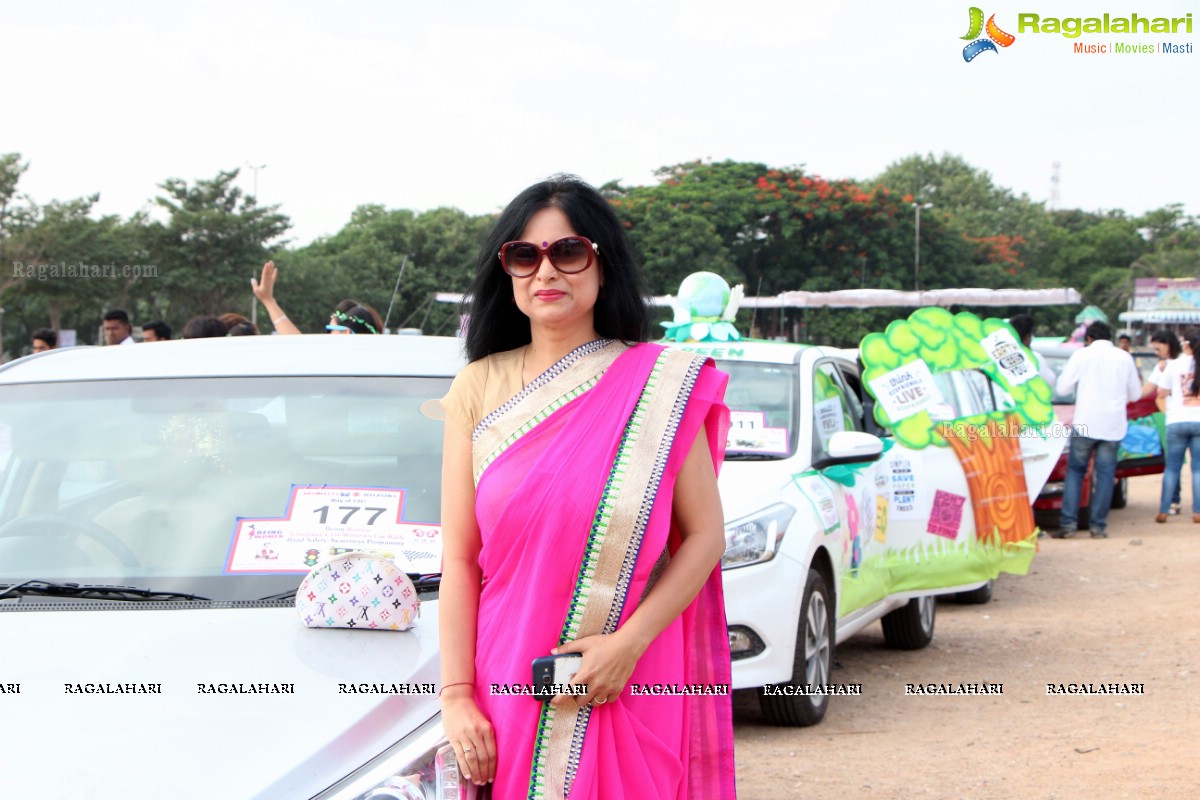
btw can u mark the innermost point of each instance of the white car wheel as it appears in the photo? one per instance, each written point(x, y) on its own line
point(782, 704)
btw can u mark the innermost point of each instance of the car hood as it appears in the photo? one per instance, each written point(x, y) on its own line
point(750, 486)
point(185, 743)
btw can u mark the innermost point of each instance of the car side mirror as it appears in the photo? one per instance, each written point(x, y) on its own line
point(850, 447)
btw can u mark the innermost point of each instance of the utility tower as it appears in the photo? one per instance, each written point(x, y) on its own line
point(1054, 176)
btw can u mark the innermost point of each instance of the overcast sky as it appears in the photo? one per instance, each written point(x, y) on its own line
point(426, 103)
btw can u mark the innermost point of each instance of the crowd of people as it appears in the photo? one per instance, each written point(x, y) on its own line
point(348, 317)
point(1105, 379)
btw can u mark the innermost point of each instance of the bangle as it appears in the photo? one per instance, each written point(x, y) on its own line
point(456, 683)
point(279, 319)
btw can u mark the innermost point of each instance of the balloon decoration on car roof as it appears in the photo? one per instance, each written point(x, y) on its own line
point(704, 310)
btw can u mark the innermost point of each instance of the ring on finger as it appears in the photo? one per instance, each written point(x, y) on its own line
point(466, 749)
point(600, 701)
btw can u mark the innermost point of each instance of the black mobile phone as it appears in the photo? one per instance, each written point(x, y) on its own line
point(551, 673)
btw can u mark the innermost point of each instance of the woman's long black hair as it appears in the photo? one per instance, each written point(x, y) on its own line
point(496, 323)
point(1165, 336)
point(1193, 340)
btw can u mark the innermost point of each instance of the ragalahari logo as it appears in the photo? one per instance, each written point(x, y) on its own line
point(995, 36)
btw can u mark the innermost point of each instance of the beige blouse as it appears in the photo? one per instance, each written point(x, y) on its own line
point(483, 386)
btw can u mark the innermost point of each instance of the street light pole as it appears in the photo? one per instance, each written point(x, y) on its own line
point(256, 168)
point(253, 298)
point(917, 244)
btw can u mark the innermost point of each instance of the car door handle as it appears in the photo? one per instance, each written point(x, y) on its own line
point(1035, 456)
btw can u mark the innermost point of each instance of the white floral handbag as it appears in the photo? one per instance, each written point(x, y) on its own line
point(358, 590)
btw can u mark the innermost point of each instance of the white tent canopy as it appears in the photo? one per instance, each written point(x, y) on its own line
point(1165, 317)
point(872, 298)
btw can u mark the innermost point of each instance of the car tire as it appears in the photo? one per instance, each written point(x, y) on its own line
point(812, 663)
point(976, 597)
point(1047, 520)
point(1120, 497)
point(911, 626)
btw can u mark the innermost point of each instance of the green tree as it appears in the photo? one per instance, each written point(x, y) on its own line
point(215, 238)
point(1175, 241)
point(436, 250)
point(775, 230)
point(66, 264)
point(1005, 229)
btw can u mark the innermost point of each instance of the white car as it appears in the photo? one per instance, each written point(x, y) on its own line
point(824, 513)
point(150, 641)
point(148, 649)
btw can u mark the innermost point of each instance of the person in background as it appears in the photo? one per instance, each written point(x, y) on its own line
point(371, 316)
point(355, 319)
point(44, 339)
point(1105, 380)
point(1124, 342)
point(1023, 325)
point(264, 290)
point(117, 328)
point(1168, 349)
point(1179, 387)
point(204, 327)
point(237, 325)
point(157, 331)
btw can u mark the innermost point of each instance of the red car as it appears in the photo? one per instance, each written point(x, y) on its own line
point(1141, 451)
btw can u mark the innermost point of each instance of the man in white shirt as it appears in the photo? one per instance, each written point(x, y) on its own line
point(1105, 380)
point(117, 328)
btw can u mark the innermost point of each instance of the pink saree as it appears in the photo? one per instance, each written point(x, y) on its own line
point(574, 480)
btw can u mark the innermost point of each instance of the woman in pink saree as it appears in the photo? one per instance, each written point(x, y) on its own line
point(581, 515)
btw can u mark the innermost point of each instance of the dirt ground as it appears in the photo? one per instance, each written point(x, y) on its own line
point(1121, 610)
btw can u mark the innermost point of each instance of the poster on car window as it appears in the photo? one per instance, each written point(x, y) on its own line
point(323, 521)
point(1009, 356)
point(906, 390)
point(749, 433)
point(828, 419)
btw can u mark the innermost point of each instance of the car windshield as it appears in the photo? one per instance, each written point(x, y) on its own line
point(230, 488)
point(762, 405)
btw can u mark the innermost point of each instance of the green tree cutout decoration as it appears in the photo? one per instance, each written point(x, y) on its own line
point(948, 342)
point(987, 445)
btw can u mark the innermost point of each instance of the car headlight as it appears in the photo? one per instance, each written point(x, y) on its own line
point(756, 538)
point(422, 766)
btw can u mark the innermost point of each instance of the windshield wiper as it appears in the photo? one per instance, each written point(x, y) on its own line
point(753, 457)
point(53, 589)
point(422, 583)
